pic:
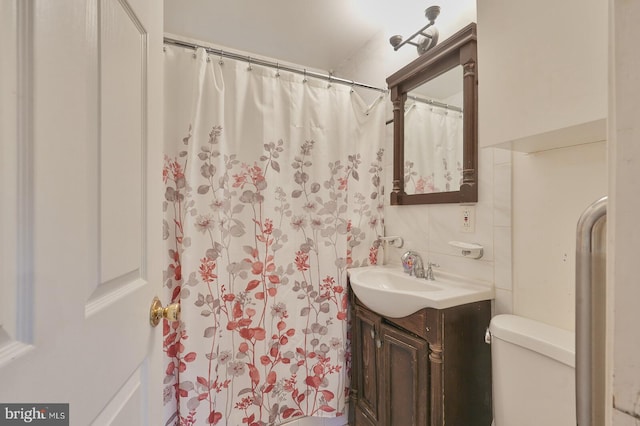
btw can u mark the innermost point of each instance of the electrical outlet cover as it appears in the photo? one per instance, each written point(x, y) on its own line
point(468, 219)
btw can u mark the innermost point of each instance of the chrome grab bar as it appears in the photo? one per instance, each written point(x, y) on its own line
point(592, 221)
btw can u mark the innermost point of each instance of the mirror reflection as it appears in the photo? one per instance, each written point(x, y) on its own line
point(433, 135)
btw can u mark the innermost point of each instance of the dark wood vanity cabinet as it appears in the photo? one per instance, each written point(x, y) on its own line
point(431, 368)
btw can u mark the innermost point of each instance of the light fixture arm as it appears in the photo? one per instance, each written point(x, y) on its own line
point(431, 13)
point(409, 40)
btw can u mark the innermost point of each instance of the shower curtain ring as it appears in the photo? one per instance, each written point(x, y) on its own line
point(277, 69)
point(220, 61)
point(330, 75)
point(353, 83)
point(249, 68)
point(304, 75)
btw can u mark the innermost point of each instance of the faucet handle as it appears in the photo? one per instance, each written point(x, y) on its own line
point(408, 266)
point(408, 261)
point(429, 273)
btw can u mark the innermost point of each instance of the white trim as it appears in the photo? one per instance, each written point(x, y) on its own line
point(25, 167)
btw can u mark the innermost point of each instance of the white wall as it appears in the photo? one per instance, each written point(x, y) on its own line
point(534, 93)
point(551, 189)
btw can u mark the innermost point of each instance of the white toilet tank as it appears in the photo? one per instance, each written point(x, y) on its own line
point(533, 373)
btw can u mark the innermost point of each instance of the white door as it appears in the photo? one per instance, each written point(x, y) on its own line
point(80, 207)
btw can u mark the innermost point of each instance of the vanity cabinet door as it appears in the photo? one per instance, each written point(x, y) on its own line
point(404, 371)
point(431, 368)
point(366, 359)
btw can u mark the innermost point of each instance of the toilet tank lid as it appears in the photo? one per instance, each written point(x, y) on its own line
point(548, 340)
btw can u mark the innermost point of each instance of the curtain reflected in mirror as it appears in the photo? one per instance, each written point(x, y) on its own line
point(433, 135)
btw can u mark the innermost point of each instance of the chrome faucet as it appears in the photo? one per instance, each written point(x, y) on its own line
point(412, 264)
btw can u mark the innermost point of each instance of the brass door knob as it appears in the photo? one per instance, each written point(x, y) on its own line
point(157, 312)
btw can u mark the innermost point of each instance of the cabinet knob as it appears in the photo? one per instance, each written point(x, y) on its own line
point(378, 343)
point(373, 333)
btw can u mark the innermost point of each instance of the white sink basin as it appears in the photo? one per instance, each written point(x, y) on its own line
point(388, 291)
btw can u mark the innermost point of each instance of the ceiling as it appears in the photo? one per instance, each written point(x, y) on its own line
point(320, 34)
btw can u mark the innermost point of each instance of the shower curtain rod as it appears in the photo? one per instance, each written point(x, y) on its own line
point(435, 103)
point(222, 53)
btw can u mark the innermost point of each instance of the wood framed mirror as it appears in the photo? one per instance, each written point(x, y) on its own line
point(435, 124)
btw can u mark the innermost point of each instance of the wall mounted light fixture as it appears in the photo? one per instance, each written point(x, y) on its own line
point(428, 34)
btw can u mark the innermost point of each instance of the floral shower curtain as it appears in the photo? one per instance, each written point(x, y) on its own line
point(273, 189)
point(435, 166)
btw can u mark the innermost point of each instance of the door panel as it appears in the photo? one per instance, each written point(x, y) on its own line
point(84, 212)
point(123, 50)
point(367, 326)
point(404, 378)
point(125, 407)
point(122, 145)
